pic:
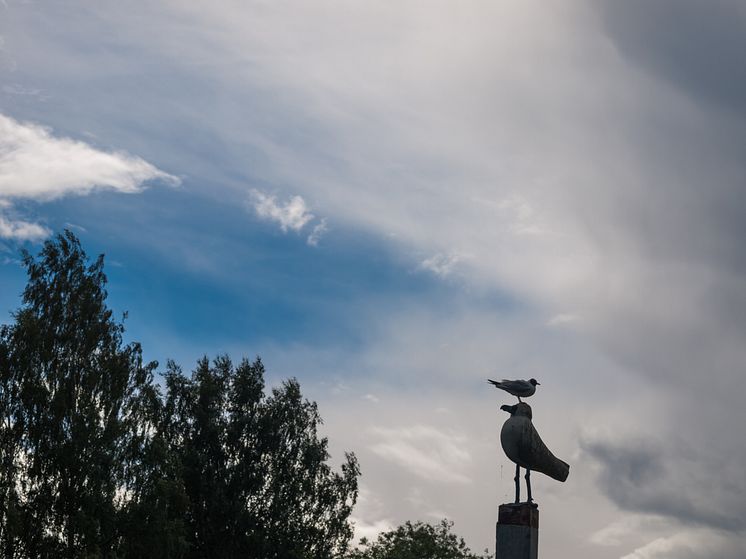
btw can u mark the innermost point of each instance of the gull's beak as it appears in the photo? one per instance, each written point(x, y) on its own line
point(538, 383)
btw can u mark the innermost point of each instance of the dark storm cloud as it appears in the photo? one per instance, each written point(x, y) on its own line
point(699, 46)
point(692, 193)
point(681, 219)
point(668, 479)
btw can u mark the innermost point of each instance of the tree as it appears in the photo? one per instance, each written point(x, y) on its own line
point(97, 462)
point(77, 408)
point(151, 519)
point(254, 466)
point(416, 541)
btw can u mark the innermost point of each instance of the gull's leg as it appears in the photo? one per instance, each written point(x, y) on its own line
point(517, 484)
point(528, 485)
point(519, 399)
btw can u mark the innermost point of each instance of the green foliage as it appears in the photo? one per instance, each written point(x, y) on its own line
point(416, 541)
point(74, 407)
point(254, 467)
point(96, 462)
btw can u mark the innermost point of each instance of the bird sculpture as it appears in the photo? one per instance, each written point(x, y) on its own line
point(523, 445)
point(518, 388)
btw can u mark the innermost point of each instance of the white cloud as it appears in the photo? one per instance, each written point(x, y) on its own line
point(318, 231)
point(35, 165)
point(370, 530)
point(20, 230)
point(427, 452)
point(660, 548)
point(368, 517)
point(18, 89)
point(293, 214)
point(519, 216)
point(340, 387)
point(692, 544)
point(563, 319)
point(76, 227)
point(441, 264)
point(616, 533)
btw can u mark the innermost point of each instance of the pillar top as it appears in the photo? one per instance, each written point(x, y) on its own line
point(519, 514)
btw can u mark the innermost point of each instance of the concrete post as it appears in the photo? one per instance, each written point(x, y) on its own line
point(517, 531)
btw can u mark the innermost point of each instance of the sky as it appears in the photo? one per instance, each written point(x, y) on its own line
point(392, 202)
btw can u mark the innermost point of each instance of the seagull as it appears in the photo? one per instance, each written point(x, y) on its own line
point(517, 388)
point(523, 445)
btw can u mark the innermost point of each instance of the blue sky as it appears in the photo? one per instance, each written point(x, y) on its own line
point(210, 279)
point(393, 201)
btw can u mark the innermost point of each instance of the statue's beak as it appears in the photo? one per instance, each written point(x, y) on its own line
point(509, 409)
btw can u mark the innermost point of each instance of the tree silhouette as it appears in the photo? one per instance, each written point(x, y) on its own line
point(415, 541)
point(254, 467)
point(96, 461)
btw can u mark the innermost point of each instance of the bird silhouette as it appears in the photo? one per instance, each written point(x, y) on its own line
point(518, 388)
point(523, 445)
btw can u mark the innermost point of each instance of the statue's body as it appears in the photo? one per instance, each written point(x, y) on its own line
point(523, 445)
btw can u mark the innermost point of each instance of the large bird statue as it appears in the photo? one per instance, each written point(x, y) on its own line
point(523, 445)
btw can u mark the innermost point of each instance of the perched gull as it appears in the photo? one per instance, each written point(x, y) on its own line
point(519, 388)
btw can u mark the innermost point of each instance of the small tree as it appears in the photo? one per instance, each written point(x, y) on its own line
point(416, 541)
point(254, 466)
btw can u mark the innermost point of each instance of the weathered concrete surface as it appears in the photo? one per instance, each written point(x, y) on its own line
point(517, 531)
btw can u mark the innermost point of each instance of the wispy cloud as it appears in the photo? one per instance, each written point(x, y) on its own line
point(368, 519)
point(441, 265)
point(21, 90)
point(615, 533)
point(563, 319)
point(427, 452)
point(20, 230)
point(692, 544)
point(318, 231)
point(76, 227)
point(290, 215)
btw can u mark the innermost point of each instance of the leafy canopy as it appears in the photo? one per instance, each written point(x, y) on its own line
point(417, 540)
point(96, 460)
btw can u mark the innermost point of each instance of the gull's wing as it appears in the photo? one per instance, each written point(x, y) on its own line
point(516, 386)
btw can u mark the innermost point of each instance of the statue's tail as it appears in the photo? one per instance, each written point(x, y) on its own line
point(554, 468)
